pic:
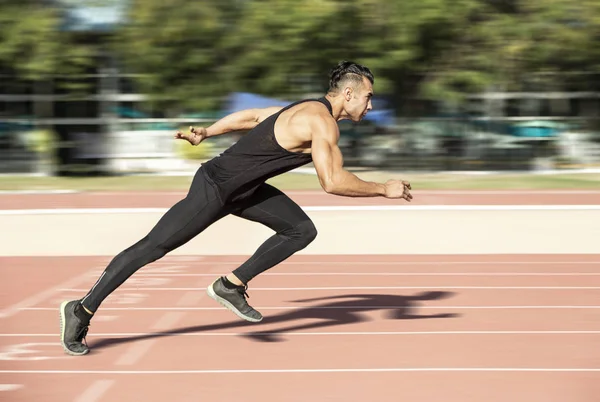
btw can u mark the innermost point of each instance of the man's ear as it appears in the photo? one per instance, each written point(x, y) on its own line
point(348, 93)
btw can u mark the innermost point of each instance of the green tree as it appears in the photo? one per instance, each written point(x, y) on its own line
point(291, 53)
point(176, 49)
point(34, 47)
point(563, 38)
point(445, 49)
point(192, 53)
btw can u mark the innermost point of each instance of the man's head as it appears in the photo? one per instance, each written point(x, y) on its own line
point(352, 83)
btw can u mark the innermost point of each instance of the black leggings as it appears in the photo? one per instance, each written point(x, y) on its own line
point(197, 211)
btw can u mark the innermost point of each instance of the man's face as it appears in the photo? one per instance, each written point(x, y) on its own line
point(360, 101)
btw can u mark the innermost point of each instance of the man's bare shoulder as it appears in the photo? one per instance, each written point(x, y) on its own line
point(315, 109)
point(320, 122)
point(311, 119)
point(310, 109)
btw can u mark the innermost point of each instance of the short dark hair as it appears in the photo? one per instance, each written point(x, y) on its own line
point(348, 69)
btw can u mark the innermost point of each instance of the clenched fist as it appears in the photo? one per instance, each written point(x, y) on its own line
point(398, 189)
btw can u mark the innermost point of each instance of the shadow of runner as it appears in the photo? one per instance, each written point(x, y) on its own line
point(346, 309)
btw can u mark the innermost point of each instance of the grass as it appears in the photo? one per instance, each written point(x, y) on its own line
point(296, 181)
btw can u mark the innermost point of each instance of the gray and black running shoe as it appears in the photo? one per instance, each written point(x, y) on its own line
point(234, 300)
point(72, 329)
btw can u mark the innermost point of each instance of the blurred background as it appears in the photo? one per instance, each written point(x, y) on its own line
point(92, 87)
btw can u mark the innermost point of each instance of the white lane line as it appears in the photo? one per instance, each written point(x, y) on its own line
point(194, 297)
point(188, 299)
point(42, 296)
point(365, 288)
point(345, 263)
point(135, 353)
point(394, 274)
point(443, 192)
point(88, 211)
point(168, 320)
point(304, 307)
point(139, 350)
point(10, 387)
point(355, 333)
point(96, 391)
point(155, 194)
point(316, 370)
point(38, 192)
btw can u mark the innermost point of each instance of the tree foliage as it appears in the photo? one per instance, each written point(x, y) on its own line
point(33, 45)
point(189, 54)
point(176, 48)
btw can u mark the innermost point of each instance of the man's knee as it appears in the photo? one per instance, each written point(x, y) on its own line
point(304, 233)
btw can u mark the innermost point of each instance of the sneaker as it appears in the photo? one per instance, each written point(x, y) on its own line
point(234, 300)
point(72, 329)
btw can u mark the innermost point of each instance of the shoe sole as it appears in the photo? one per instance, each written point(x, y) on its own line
point(63, 320)
point(226, 304)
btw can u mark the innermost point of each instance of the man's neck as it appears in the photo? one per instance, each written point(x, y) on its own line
point(337, 109)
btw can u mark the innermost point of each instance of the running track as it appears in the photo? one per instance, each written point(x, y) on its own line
point(337, 328)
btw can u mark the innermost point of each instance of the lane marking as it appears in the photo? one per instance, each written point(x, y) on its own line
point(95, 211)
point(345, 263)
point(152, 269)
point(38, 192)
point(135, 353)
point(106, 318)
point(192, 298)
point(42, 296)
point(156, 193)
point(353, 333)
point(188, 299)
point(168, 320)
point(366, 288)
point(10, 387)
point(398, 274)
point(96, 391)
point(322, 193)
point(304, 307)
point(317, 370)
point(28, 352)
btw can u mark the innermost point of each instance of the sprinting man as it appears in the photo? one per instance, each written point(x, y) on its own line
point(278, 140)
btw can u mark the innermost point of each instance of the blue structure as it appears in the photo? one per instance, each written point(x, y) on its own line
point(537, 128)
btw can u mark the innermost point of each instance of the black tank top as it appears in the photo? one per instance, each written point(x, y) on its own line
point(255, 158)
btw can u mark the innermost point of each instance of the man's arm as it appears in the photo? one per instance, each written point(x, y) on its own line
point(328, 162)
point(237, 121)
point(240, 121)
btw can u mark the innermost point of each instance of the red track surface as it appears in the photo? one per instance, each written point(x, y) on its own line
point(337, 328)
point(389, 313)
point(306, 198)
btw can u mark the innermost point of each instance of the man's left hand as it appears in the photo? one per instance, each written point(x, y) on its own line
point(194, 137)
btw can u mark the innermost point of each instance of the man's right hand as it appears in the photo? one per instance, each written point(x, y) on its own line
point(398, 189)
